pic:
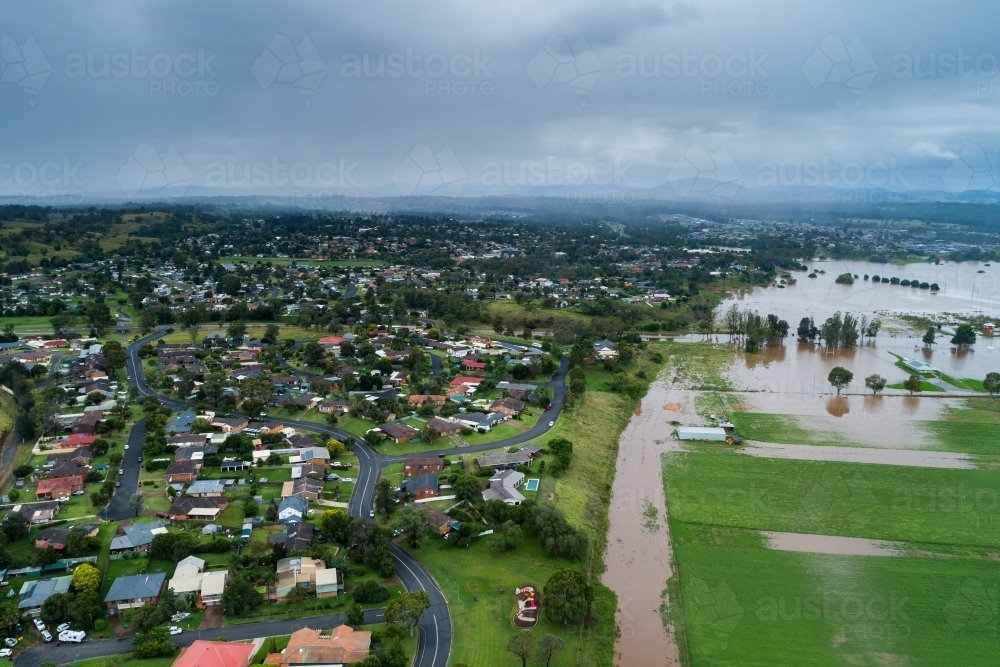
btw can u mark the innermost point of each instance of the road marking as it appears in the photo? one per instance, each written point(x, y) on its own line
point(434, 661)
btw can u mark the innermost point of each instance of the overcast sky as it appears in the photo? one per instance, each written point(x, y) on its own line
point(334, 99)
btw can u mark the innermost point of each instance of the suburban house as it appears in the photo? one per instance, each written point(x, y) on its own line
point(421, 486)
point(508, 460)
point(206, 488)
point(59, 488)
point(265, 428)
point(133, 591)
point(507, 405)
point(473, 364)
point(419, 400)
point(442, 427)
point(197, 509)
point(604, 349)
point(136, 537)
point(306, 647)
point(203, 653)
point(399, 432)
point(182, 471)
point(37, 513)
point(464, 385)
point(34, 593)
point(307, 488)
point(81, 456)
point(181, 423)
point(190, 577)
point(417, 466)
point(66, 469)
point(503, 487)
point(195, 453)
point(291, 510)
point(187, 439)
point(334, 407)
point(296, 537)
point(443, 523)
point(87, 424)
point(298, 571)
point(52, 537)
point(315, 455)
point(300, 441)
point(329, 582)
point(481, 421)
point(230, 424)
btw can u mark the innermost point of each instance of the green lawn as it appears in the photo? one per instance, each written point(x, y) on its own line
point(471, 579)
point(780, 428)
point(125, 661)
point(807, 609)
point(972, 428)
point(949, 508)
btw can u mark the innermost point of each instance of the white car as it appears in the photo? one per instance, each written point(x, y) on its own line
point(174, 630)
point(47, 636)
point(372, 514)
point(551, 424)
point(63, 627)
point(40, 624)
point(72, 636)
point(5, 652)
point(121, 471)
point(10, 641)
point(126, 446)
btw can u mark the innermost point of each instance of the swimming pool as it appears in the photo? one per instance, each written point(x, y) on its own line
point(531, 485)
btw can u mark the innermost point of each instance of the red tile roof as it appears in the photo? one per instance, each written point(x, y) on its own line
point(215, 654)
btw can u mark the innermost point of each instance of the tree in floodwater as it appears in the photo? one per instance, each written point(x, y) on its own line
point(912, 384)
point(875, 382)
point(840, 377)
point(929, 337)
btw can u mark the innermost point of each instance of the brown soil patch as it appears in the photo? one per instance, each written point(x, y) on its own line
point(212, 619)
point(638, 408)
point(672, 407)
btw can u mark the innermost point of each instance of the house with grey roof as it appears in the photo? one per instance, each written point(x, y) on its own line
point(134, 591)
point(35, 593)
point(206, 488)
point(291, 510)
point(136, 537)
point(503, 487)
point(499, 461)
point(181, 423)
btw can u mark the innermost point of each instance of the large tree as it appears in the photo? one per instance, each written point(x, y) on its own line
point(405, 610)
point(875, 382)
point(548, 647)
point(411, 521)
point(114, 358)
point(964, 336)
point(522, 645)
point(992, 383)
point(840, 377)
point(567, 596)
point(385, 496)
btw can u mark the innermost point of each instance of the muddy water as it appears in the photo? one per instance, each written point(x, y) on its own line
point(896, 457)
point(963, 290)
point(829, 544)
point(638, 553)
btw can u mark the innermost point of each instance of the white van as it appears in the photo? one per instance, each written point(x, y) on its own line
point(73, 636)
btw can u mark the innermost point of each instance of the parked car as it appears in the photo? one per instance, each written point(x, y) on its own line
point(174, 630)
point(40, 624)
point(140, 459)
point(47, 636)
point(551, 424)
point(118, 483)
point(10, 641)
point(72, 636)
point(63, 627)
point(121, 471)
point(180, 616)
point(79, 493)
point(162, 515)
point(126, 446)
point(5, 652)
point(372, 514)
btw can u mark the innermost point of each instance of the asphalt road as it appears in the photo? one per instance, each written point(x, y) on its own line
point(118, 508)
point(69, 653)
point(434, 643)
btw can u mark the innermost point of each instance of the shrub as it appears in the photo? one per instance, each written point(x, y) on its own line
point(370, 591)
point(100, 625)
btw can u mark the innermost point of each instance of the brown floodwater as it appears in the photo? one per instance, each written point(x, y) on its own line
point(829, 544)
point(638, 554)
point(895, 457)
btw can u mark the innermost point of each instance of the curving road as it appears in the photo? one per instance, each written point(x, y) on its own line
point(434, 642)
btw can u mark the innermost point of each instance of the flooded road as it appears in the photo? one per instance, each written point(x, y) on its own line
point(638, 553)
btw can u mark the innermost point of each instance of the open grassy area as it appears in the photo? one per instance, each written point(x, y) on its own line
point(291, 331)
point(472, 579)
point(972, 429)
point(810, 609)
point(125, 661)
point(950, 508)
point(780, 428)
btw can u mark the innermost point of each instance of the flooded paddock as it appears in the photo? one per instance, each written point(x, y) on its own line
point(829, 544)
